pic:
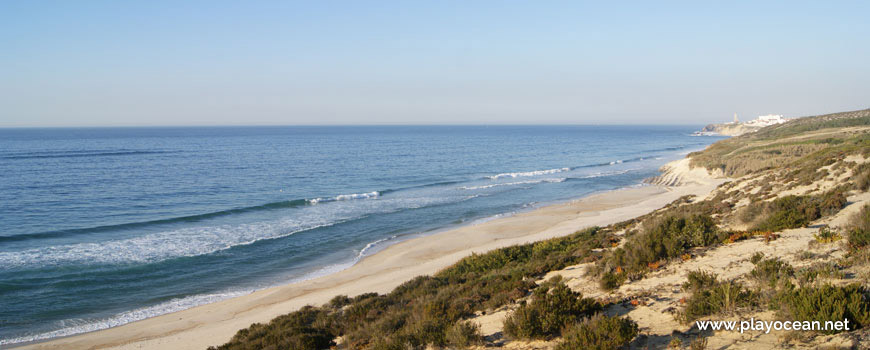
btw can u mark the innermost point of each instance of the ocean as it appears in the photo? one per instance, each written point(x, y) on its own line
point(104, 226)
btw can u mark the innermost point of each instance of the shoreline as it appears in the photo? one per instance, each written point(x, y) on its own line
point(215, 323)
point(331, 269)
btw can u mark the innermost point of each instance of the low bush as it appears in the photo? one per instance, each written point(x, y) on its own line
point(810, 274)
point(699, 343)
point(339, 301)
point(662, 238)
point(599, 333)
point(861, 177)
point(710, 296)
point(826, 303)
point(699, 280)
point(827, 235)
point(770, 272)
point(308, 328)
point(798, 211)
point(859, 229)
point(464, 334)
point(611, 280)
point(551, 309)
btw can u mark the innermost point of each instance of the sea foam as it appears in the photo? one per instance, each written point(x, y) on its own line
point(345, 197)
point(530, 182)
point(202, 240)
point(529, 173)
point(77, 326)
point(159, 246)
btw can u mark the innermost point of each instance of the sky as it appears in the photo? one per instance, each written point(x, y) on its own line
point(130, 63)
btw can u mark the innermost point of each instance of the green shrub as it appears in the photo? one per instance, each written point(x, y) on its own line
point(710, 296)
point(798, 211)
point(464, 334)
point(756, 258)
point(699, 343)
point(304, 329)
point(699, 280)
point(611, 280)
point(769, 272)
point(861, 177)
point(809, 275)
point(428, 328)
point(662, 238)
point(859, 229)
point(550, 310)
point(523, 323)
point(599, 333)
point(339, 301)
point(827, 235)
point(826, 303)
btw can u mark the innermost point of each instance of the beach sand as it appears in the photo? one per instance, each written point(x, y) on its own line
point(216, 323)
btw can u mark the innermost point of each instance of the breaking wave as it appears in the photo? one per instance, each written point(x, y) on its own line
point(345, 197)
point(511, 184)
point(528, 173)
point(77, 326)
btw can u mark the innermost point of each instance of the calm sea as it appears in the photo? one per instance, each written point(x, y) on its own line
point(105, 226)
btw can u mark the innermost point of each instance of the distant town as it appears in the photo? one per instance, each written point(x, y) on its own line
point(736, 127)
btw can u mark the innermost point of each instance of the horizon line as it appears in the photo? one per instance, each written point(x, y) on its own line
point(327, 125)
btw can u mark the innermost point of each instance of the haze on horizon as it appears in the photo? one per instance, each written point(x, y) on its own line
point(106, 63)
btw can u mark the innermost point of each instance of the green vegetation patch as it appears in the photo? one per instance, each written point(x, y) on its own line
point(859, 230)
point(709, 296)
point(825, 303)
point(662, 238)
point(553, 307)
point(599, 333)
point(303, 329)
point(464, 334)
point(427, 310)
point(771, 272)
point(793, 211)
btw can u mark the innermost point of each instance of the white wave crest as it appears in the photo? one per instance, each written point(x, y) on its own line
point(529, 173)
point(364, 251)
point(78, 326)
point(607, 173)
point(511, 184)
point(163, 245)
point(195, 241)
point(345, 197)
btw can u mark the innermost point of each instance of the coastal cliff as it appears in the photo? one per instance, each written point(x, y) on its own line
point(681, 173)
point(729, 129)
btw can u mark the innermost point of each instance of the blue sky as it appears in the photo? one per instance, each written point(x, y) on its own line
point(87, 63)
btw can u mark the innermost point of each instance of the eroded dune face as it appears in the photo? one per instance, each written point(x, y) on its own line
point(680, 172)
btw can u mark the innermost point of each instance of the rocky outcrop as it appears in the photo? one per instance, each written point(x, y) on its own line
point(729, 129)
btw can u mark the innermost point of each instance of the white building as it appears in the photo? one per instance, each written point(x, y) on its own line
point(767, 120)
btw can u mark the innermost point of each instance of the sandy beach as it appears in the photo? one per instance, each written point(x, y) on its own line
point(216, 323)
